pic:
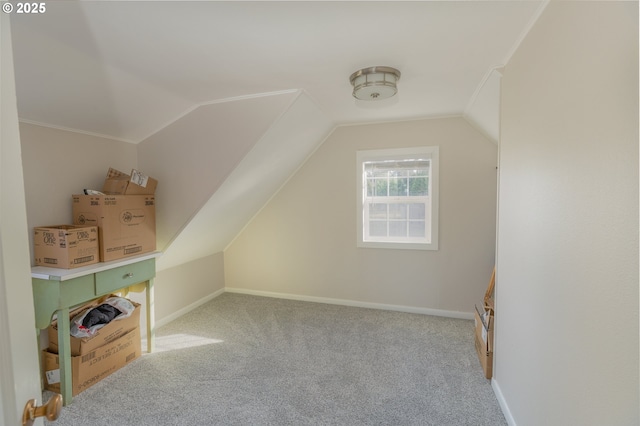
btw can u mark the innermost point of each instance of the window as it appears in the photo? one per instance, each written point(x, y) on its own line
point(398, 198)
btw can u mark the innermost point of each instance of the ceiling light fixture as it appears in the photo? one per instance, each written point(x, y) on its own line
point(374, 83)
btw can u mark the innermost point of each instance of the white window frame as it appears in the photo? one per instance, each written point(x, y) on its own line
point(423, 152)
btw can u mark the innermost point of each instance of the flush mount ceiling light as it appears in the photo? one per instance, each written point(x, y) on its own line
point(374, 83)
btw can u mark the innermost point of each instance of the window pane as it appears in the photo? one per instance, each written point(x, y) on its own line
point(378, 211)
point(371, 186)
point(423, 171)
point(398, 186)
point(377, 228)
point(418, 186)
point(398, 229)
point(397, 211)
point(417, 211)
point(416, 229)
point(381, 187)
point(400, 192)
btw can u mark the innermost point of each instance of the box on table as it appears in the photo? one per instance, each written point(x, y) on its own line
point(92, 367)
point(119, 183)
point(65, 246)
point(484, 340)
point(104, 335)
point(126, 223)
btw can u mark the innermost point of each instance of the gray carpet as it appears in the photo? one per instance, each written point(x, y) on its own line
point(248, 360)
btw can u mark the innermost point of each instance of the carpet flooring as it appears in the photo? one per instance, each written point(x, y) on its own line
point(249, 360)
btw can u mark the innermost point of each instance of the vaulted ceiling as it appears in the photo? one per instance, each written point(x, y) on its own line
point(236, 95)
point(127, 69)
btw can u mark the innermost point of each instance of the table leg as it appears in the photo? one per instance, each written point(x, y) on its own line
point(151, 330)
point(64, 355)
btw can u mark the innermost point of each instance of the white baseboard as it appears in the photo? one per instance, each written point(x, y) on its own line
point(503, 403)
point(331, 301)
point(188, 308)
point(355, 303)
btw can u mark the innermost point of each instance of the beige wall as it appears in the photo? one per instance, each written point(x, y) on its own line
point(19, 361)
point(58, 164)
point(567, 286)
point(451, 279)
point(188, 285)
point(304, 241)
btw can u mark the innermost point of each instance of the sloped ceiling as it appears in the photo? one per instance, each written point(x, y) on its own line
point(226, 99)
point(193, 156)
point(220, 163)
point(291, 138)
point(126, 69)
point(484, 112)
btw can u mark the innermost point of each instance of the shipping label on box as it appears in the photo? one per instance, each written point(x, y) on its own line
point(126, 223)
point(139, 179)
point(65, 246)
point(137, 183)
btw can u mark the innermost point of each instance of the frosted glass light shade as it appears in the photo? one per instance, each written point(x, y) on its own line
point(375, 83)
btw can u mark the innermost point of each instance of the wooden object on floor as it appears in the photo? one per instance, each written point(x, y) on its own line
point(484, 328)
point(489, 302)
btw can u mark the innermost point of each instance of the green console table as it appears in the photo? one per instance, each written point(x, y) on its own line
point(55, 291)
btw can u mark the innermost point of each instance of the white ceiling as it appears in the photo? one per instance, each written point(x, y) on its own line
point(127, 69)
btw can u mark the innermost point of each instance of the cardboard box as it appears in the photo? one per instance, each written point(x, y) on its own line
point(119, 183)
point(484, 340)
point(105, 335)
point(89, 369)
point(65, 246)
point(126, 223)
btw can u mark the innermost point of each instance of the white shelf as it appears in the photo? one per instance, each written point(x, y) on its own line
point(58, 274)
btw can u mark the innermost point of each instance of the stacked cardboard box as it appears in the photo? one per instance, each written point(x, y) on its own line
point(125, 216)
point(104, 335)
point(119, 223)
point(119, 183)
point(65, 246)
point(92, 359)
point(126, 223)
